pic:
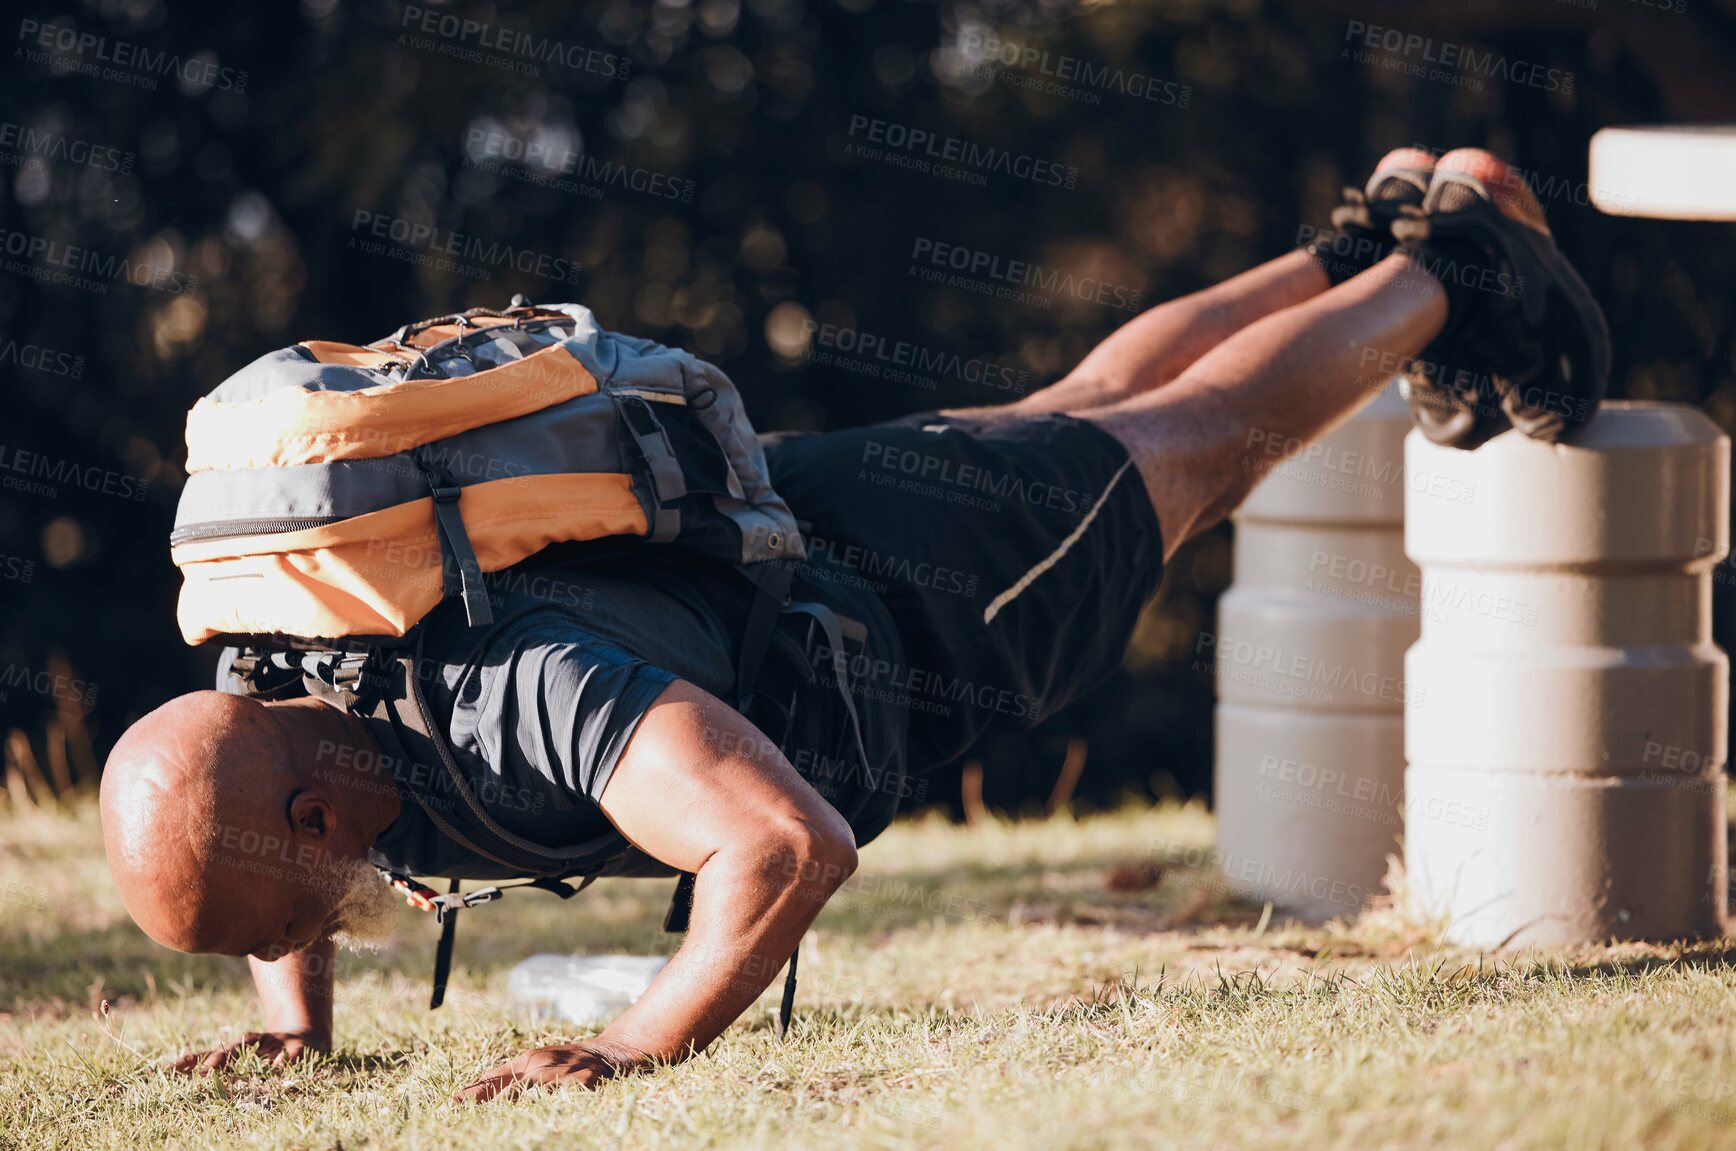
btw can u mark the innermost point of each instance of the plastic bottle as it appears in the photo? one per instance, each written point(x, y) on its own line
point(587, 990)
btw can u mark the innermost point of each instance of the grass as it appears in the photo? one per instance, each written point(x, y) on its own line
point(982, 988)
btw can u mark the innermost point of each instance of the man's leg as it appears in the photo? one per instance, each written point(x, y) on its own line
point(1158, 345)
point(1295, 374)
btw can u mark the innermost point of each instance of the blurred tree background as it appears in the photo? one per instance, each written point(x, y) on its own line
point(697, 161)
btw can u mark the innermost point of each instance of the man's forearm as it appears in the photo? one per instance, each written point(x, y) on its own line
point(295, 993)
point(750, 910)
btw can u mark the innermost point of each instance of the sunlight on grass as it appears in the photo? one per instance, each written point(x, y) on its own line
point(1017, 985)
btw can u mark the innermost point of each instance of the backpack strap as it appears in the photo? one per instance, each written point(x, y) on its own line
point(446, 908)
point(668, 480)
point(443, 951)
point(460, 569)
point(837, 629)
point(771, 597)
point(408, 713)
point(680, 911)
point(787, 1005)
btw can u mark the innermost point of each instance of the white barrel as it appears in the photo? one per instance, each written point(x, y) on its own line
point(1566, 731)
point(1309, 664)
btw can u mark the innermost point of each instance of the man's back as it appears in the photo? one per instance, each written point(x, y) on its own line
point(537, 709)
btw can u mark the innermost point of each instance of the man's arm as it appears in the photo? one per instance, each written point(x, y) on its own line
point(701, 789)
point(295, 996)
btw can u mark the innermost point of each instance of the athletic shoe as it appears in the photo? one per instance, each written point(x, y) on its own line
point(1364, 220)
point(1522, 328)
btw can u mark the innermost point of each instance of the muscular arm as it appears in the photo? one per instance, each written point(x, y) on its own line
point(295, 996)
point(699, 788)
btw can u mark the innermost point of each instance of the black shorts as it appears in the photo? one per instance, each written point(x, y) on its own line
point(1014, 556)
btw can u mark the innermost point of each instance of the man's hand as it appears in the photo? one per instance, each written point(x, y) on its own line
point(275, 1047)
point(295, 994)
point(566, 1064)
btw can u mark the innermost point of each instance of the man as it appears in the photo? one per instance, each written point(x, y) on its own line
point(998, 557)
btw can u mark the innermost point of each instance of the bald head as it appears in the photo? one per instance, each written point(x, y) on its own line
point(222, 833)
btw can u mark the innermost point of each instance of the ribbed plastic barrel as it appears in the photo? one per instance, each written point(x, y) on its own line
point(1566, 734)
point(1309, 665)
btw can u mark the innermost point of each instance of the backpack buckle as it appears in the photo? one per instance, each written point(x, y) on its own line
point(445, 905)
point(364, 678)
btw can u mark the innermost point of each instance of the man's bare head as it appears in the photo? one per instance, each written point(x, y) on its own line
point(223, 835)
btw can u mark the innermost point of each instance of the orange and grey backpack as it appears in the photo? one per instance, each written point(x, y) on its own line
point(336, 491)
point(336, 494)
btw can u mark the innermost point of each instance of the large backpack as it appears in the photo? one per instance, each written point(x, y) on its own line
point(339, 491)
point(336, 494)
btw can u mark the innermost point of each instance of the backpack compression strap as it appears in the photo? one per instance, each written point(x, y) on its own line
point(446, 908)
point(462, 571)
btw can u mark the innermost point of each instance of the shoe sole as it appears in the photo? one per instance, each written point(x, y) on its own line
point(1565, 318)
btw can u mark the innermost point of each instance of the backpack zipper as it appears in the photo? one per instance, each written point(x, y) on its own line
point(225, 529)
